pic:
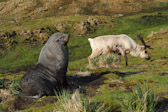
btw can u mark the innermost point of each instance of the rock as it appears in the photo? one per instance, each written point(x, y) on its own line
point(43, 37)
point(89, 25)
point(40, 35)
point(10, 43)
point(37, 32)
point(25, 33)
point(2, 35)
point(60, 27)
point(83, 27)
point(13, 33)
point(8, 35)
point(7, 41)
point(94, 21)
point(31, 39)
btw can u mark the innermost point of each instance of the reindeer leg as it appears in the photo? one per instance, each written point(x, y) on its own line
point(126, 60)
point(119, 59)
point(89, 60)
point(123, 53)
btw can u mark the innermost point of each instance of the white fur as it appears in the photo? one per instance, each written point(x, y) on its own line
point(121, 43)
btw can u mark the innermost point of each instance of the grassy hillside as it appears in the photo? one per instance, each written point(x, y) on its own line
point(18, 10)
point(104, 87)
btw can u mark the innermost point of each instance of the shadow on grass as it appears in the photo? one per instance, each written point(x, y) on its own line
point(162, 105)
point(123, 74)
point(93, 80)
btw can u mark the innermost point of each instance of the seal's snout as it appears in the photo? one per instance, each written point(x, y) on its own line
point(66, 38)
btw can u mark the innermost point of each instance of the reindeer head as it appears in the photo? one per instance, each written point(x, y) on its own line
point(143, 51)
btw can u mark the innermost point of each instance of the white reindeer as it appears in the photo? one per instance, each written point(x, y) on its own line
point(121, 44)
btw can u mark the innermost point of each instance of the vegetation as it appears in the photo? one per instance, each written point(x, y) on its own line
point(12, 85)
point(142, 99)
point(2, 0)
point(75, 103)
point(111, 60)
point(103, 85)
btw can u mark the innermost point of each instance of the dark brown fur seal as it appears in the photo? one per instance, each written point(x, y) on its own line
point(49, 74)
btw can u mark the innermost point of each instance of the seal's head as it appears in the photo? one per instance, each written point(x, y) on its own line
point(60, 38)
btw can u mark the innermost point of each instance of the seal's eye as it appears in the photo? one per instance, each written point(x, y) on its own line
point(145, 51)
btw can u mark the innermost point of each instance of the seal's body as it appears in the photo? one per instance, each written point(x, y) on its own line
point(49, 74)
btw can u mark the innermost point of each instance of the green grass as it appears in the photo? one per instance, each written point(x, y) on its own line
point(22, 56)
point(75, 102)
point(142, 99)
point(119, 82)
point(79, 46)
point(41, 23)
point(2, 0)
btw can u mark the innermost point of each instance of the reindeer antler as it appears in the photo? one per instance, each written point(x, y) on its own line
point(143, 42)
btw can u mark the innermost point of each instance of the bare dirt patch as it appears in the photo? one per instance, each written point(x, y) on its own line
point(164, 74)
point(20, 103)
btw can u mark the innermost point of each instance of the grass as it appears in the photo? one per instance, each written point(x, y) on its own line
point(86, 7)
point(119, 82)
point(79, 46)
point(2, 0)
point(110, 60)
point(14, 87)
point(41, 23)
point(12, 84)
point(75, 103)
point(142, 99)
point(21, 56)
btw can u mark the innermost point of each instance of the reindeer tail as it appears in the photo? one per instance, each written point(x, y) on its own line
point(90, 39)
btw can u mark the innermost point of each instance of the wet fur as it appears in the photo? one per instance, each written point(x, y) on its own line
point(49, 74)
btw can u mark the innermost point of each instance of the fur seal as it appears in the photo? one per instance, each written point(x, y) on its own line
point(49, 74)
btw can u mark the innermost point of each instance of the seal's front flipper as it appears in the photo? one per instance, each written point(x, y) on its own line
point(29, 96)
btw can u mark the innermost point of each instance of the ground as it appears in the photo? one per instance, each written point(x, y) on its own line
point(101, 85)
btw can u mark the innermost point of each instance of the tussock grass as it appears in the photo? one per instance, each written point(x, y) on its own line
point(75, 103)
point(137, 71)
point(111, 60)
point(13, 85)
point(142, 99)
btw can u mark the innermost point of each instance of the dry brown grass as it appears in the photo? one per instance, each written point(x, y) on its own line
point(75, 103)
point(71, 103)
point(5, 94)
point(42, 8)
